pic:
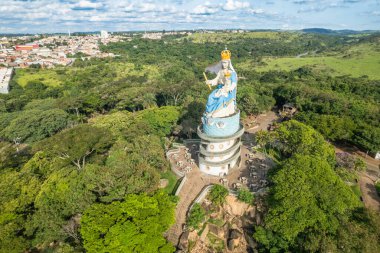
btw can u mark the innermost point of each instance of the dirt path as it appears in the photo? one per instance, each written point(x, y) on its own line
point(263, 120)
point(372, 164)
point(368, 178)
point(370, 197)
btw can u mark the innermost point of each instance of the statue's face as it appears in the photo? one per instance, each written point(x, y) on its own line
point(225, 64)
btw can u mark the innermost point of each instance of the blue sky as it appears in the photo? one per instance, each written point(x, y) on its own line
point(40, 16)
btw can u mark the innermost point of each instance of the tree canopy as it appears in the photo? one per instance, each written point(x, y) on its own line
point(218, 194)
point(308, 197)
point(74, 145)
point(133, 225)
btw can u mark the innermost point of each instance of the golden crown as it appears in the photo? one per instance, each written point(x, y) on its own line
point(226, 54)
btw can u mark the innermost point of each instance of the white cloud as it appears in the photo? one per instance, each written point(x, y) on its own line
point(129, 7)
point(303, 1)
point(147, 7)
point(80, 15)
point(88, 4)
point(205, 9)
point(232, 5)
point(255, 11)
point(37, 15)
point(9, 8)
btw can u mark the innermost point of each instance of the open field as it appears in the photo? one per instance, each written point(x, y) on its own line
point(357, 61)
point(230, 37)
point(58, 76)
point(48, 77)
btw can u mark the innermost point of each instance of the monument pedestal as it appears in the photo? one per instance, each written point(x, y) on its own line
point(220, 146)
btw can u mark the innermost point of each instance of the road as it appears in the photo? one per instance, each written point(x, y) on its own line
point(367, 178)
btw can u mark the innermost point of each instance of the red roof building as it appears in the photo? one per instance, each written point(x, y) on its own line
point(26, 47)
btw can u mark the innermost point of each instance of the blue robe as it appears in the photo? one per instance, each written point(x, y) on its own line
point(215, 103)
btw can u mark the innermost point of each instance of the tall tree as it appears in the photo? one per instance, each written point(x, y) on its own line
point(307, 197)
point(76, 144)
point(134, 225)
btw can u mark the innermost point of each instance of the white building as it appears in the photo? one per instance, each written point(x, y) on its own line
point(104, 34)
point(5, 78)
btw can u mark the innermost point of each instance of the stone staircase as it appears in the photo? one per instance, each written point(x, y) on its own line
point(192, 187)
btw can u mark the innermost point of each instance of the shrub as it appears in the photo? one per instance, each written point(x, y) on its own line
point(218, 194)
point(197, 215)
point(245, 195)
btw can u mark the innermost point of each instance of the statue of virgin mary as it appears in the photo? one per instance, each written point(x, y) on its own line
point(222, 100)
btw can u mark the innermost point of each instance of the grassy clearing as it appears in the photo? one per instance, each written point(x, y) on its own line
point(356, 61)
point(171, 177)
point(48, 77)
point(356, 189)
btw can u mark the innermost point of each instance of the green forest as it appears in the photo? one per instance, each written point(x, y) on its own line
point(82, 148)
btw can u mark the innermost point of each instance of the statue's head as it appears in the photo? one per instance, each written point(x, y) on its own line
point(225, 64)
point(226, 58)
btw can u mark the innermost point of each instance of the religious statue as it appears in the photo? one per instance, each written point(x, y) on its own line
point(221, 131)
point(222, 101)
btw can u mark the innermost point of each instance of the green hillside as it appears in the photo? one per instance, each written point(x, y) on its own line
point(358, 60)
point(229, 37)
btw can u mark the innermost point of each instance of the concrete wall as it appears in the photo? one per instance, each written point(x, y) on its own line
point(184, 179)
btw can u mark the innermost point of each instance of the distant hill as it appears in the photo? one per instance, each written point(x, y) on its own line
point(335, 32)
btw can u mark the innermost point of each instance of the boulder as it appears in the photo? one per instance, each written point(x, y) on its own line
point(234, 234)
point(252, 212)
point(184, 241)
point(217, 231)
point(234, 239)
point(214, 215)
point(228, 217)
point(231, 244)
point(250, 241)
point(258, 218)
point(193, 236)
point(235, 207)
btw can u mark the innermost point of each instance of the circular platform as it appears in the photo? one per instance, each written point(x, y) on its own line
point(221, 127)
